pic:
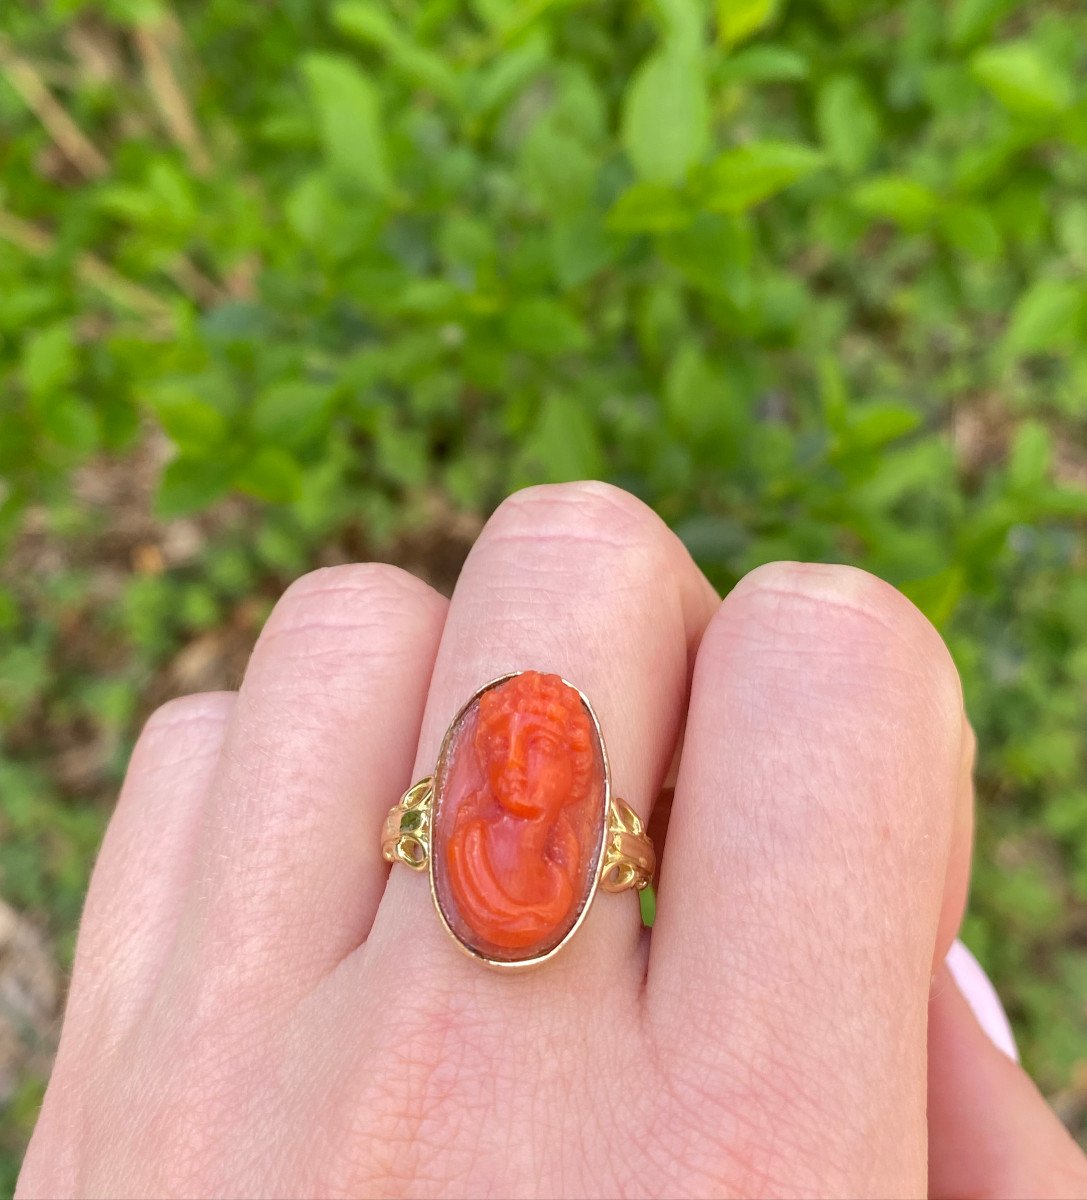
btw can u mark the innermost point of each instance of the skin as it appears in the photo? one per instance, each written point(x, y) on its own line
point(259, 1008)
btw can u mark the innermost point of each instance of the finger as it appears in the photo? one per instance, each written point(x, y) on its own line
point(137, 887)
point(320, 745)
point(804, 876)
point(957, 881)
point(586, 582)
point(990, 1131)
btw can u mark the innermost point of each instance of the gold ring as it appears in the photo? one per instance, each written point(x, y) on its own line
point(517, 827)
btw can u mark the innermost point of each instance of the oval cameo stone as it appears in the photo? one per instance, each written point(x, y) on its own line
point(520, 799)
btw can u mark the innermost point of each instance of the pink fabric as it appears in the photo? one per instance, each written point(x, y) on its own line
point(980, 994)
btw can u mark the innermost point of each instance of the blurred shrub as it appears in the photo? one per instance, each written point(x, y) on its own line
point(809, 278)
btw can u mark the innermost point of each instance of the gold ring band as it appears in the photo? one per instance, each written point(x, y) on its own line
point(517, 827)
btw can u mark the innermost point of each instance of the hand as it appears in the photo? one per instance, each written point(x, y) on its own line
point(258, 1008)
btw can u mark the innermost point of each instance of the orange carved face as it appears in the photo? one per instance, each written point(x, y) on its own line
point(534, 742)
point(519, 816)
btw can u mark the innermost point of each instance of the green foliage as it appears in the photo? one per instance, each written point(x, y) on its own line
point(848, 123)
point(665, 115)
point(347, 106)
point(806, 277)
point(737, 20)
point(1024, 79)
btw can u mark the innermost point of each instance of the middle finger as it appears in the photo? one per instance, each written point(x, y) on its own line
point(583, 581)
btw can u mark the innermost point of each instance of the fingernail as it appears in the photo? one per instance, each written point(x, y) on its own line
point(980, 994)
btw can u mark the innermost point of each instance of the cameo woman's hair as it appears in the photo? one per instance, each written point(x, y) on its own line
point(556, 704)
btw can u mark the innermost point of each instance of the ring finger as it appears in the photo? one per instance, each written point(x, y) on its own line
point(585, 582)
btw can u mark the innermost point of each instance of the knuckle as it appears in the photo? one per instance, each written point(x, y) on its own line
point(572, 514)
point(834, 585)
point(368, 598)
point(839, 610)
point(201, 713)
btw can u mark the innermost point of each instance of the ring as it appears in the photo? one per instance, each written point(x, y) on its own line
point(517, 827)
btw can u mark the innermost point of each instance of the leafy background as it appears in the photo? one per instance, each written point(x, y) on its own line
point(295, 283)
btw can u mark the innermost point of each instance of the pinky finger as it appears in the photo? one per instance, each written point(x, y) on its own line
point(143, 867)
point(990, 1131)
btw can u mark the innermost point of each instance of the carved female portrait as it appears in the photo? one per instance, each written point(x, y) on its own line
point(520, 816)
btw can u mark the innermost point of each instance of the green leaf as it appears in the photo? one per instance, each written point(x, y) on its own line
point(292, 412)
point(972, 229)
point(191, 483)
point(490, 89)
point(661, 319)
point(682, 22)
point(876, 424)
point(401, 450)
point(694, 393)
point(70, 421)
point(190, 421)
point(563, 444)
point(937, 595)
point(713, 539)
point(306, 206)
point(650, 208)
point(848, 123)
point(898, 198)
point(270, 474)
point(737, 20)
point(714, 253)
point(833, 392)
point(745, 176)
point(580, 247)
point(665, 122)
point(763, 63)
point(1047, 317)
point(1023, 79)
point(970, 20)
point(349, 119)
point(1031, 453)
point(466, 241)
point(543, 326)
point(559, 170)
point(49, 360)
point(1071, 224)
point(370, 23)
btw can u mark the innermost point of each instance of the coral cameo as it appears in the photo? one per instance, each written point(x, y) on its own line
point(519, 810)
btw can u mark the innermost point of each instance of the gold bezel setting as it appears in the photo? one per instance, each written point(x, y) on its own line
point(624, 857)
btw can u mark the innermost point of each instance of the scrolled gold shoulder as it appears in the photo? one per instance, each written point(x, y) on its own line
point(405, 836)
point(629, 859)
